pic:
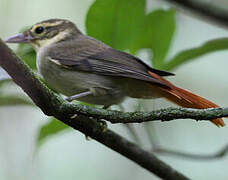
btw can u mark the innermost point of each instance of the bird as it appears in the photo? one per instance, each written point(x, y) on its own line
point(86, 69)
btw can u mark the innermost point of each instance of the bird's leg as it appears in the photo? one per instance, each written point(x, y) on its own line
point(76, 96)
point(83, 94)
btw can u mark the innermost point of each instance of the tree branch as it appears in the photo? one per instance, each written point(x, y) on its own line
point(52, 104)
point(216, 15)
point(167, 114)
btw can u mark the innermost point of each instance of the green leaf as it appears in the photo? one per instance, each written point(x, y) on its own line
point(27, 54)
point(191, 54)
point(5, 80)
point(124, 25)
point(14, 100)
point(159, 28)
point(53, 127)
point(116, 22)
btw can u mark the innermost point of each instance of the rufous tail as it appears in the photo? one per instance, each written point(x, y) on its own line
point(187, 99)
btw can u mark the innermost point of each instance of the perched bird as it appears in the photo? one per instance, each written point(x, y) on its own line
point(88, 70)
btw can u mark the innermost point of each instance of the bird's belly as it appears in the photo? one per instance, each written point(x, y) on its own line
point(69, 82)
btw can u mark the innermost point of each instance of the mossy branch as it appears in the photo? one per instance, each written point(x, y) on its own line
point(167, 114)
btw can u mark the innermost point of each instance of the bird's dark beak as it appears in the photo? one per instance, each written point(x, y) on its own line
point(19, 38)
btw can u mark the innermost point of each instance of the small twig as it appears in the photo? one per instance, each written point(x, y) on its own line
point(212, 13)
point(221, 153)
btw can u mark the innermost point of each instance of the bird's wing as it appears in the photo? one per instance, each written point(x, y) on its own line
point(105, 61)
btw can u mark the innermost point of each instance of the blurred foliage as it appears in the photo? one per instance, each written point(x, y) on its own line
point(154, 35)
point(125, 25)
point(54, 127)
point(191, 54)
point(51, 128)
point(10, 99)
point(14, 100)
point(27, 53)
point(4, 81)
point(116, 22)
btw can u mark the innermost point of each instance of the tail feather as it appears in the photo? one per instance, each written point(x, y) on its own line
point(187, 99)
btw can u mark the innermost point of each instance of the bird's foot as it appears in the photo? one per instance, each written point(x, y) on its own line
point(103, 124)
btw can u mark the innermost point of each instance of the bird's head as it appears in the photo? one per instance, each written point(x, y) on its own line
point(46, 32)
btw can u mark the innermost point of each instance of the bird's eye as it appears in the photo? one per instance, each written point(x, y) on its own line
point(39, 30)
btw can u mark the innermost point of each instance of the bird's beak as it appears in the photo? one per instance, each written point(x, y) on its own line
point(19, 38)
